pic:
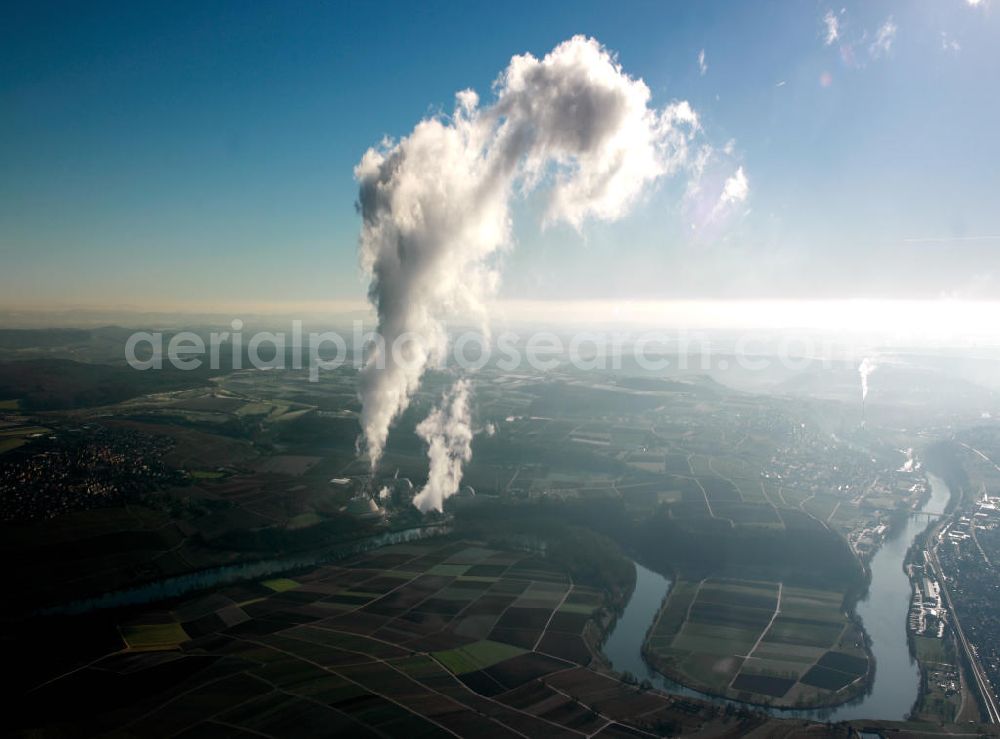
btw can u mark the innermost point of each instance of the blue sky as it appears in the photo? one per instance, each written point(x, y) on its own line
point(202, 153)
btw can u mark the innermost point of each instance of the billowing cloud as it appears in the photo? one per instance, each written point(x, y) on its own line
point(702, 66)
point(448, 433)
point(884, 37)
point(435, 205)
point(832, 28)
point(736, 189)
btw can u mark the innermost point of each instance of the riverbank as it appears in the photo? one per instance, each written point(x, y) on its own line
point(944, 693)
point(765, 643)
point(201, 580)
point(893, 681)
point(852, 692)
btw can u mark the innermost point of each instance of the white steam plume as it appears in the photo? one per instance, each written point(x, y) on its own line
point(435, 205)
point(865, 369)
point(448, 433)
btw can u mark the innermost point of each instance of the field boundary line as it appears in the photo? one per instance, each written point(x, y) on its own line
point(718, 474)
point(553, 614)
point(349, 679)
point(702, 488)
point(189, 691)
point(601, 715)
point(514, 709)
point(833, 512)
point(777, 610)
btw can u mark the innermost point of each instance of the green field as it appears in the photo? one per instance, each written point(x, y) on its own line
point(476, 656)
point(17, 431)
point(280, 584)
point(757, 641)
point(206, 474)
point(154, 636)
point(942, 697)
point(931, 650)
point(7, 445)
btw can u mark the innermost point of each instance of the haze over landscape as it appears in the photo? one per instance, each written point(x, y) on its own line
point(501, 369)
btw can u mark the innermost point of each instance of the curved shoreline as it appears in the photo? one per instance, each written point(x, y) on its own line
point(883, 697)
point(853, 691)
point(860, 687)
point(667, 683)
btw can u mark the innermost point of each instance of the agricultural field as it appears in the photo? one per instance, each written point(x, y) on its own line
point(445, 636)
point(762, 642)
point(943, 693)
point(425, 639)
point(14, 434)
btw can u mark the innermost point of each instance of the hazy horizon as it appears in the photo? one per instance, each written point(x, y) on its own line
point(928, 323)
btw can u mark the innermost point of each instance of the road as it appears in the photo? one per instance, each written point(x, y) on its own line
point(976, 451)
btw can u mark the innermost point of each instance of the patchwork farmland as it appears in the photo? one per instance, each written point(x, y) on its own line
point(423, 639)
point(763, 642)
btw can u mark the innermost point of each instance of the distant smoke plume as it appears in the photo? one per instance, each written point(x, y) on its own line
point(865, 369)
point(436, 204)
point(448, 433)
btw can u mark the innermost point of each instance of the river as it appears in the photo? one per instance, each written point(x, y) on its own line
point(179, 585)
point(883, 610)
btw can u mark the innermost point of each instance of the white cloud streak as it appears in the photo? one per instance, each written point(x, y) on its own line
point(702, 66)
point(851, 46)
point(832, 28)
point(884, 38)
